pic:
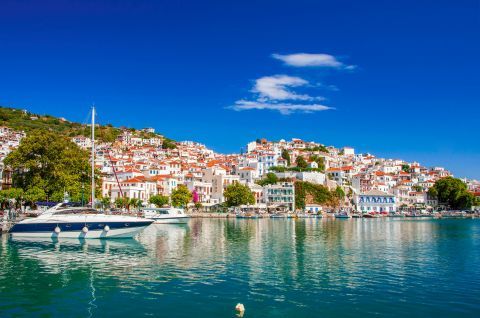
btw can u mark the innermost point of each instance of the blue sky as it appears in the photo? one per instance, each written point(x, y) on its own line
point(394, 78)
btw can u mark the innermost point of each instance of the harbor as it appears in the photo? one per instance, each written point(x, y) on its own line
point(274, 267)
point(239, 159)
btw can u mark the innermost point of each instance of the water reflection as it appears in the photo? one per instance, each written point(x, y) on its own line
point(276, 267)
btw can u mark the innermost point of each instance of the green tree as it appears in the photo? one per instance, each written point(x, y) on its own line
point(301, 162)
point(168, 144)
point(121, 203)
point(453, 192)
point(51, 163)
point(339, 193)
point(286, 156)
point(134, 203)
point(477, 201)
point(33, 195)
point(198, 205)
point(181, 196)
point(319, 160)
point(238, 194)
point(106, 202)
point(159, 200)
point(406, 168)
point(417, 188)
point(270, 178)
point(12, 194)
point(320, 148)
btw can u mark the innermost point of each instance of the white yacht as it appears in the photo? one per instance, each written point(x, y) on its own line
point(64, 221)
point(166, 215)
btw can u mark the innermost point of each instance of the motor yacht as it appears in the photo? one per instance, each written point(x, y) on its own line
point(65, 221)
point(166, 215)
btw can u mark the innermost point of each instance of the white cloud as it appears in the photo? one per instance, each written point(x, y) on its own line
point(275, 88)
point(309, 60)
point(283, 108)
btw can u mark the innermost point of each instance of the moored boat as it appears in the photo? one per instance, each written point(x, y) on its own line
point(243, 215)
point(64, 221)
point(278, 215)
point(342, 215)
point(166, 215)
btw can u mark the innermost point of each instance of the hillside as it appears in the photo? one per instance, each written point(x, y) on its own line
point(24, 120)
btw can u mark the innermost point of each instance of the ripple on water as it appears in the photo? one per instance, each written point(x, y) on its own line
point(277, 268)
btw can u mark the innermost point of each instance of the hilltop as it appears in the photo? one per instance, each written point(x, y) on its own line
point(23, 120)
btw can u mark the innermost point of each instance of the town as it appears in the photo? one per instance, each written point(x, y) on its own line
point(141, 164)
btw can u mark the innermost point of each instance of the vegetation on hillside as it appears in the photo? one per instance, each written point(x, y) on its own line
point(296, 169)
point(23, 120)
point(320, 148)
point(310, 193)
point(270, 178)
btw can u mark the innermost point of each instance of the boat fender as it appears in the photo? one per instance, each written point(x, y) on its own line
point(240, 308)
point(57, 230)
point(85, 229)
point(106, 228)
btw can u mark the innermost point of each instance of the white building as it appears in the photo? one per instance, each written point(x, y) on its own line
point(348, 151)
point(280, 194)
point(376, 201)
point(82, 142)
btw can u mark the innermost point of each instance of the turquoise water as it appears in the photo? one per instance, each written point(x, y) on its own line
point(276, 268)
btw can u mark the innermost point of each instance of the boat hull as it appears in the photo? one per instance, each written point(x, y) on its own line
point(96, 230)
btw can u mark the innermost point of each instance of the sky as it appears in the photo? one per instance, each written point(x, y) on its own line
point(398, 79)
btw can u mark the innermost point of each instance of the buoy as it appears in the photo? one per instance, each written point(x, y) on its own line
point(106, 228)
point(85, 229)
point(240, 308)
point(57, 230)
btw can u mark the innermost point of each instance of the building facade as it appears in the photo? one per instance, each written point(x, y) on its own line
point(376, 201)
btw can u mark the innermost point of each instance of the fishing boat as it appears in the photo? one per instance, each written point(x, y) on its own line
point(65, 221)
point(166, 215)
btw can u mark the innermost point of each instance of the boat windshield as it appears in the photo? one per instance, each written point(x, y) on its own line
point(76, 211)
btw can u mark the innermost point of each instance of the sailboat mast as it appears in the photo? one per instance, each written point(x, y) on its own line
point(93, 156)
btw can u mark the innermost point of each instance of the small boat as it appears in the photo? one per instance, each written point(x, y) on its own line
point(243, 215)
point(65, 221)
point(278, 216)
point(356, 215)
point(166, 215)
point(418, 215)
point(342, 215)
point(371, 216)
point(453, 214)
